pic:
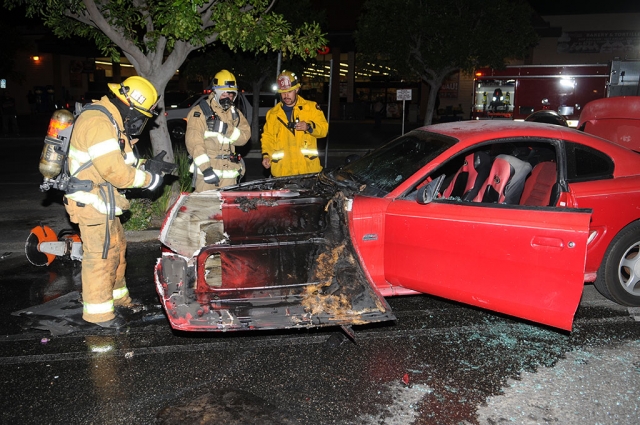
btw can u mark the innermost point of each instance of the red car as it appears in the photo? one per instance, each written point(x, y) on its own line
point(508, 216)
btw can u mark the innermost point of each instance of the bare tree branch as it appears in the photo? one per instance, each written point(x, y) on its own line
point(126, 45)
point(273, 3)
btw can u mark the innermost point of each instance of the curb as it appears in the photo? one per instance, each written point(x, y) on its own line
point(142, 235)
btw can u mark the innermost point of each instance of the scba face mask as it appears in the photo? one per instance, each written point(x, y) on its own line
point(226, 103)
point(134, 124)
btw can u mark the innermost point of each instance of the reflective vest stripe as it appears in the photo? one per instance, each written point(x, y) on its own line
point(208, 134)
point(101, 308)
point(235, 135)
point(103, 148)
point(201, 159)
point(277, 155)
point(120, 293)
point(94, 200)
point(222, 139)
point(223, 174)
point(76, 159)
point(78, 155)
point(140, 177)
point(309, 152)
point(130, 158)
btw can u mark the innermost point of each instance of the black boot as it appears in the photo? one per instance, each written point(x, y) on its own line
point(115, 323)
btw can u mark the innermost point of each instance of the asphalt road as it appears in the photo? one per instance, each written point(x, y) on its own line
point(439, 363)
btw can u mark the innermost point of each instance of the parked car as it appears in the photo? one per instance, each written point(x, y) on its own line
point(173, 99)
point(176, 117)
point(549, 117)
point(512, 217)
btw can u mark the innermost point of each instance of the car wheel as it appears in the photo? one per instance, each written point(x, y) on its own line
point(619, 275)
point(177, 131)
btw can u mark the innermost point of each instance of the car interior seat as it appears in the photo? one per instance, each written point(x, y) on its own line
point(539, 186)
point(466, 183)
point(505, 182)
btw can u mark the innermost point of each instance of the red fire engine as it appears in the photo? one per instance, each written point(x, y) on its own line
point(517, 91)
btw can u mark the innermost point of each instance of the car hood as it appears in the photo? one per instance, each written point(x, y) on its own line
point(270, 254)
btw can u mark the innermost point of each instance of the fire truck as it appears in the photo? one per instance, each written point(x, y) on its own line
point(517, 91)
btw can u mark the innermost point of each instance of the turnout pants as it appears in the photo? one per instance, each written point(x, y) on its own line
point(103, 281)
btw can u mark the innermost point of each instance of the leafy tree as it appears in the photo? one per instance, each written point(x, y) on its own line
point(157, 36)
point(431, 39)
point(254, 70)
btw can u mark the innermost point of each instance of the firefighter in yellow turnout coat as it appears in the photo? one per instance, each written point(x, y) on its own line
point(101, 160)
point(214, 129)
point(291, 131)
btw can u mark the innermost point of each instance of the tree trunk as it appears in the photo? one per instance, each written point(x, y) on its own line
point(160, 140)
point(255, 113)
point(159, 71)
point(434, 86)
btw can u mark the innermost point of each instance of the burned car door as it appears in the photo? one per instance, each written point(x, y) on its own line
point(263, 259)
point(521, 261)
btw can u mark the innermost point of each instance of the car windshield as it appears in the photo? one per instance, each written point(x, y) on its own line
point(388, 166)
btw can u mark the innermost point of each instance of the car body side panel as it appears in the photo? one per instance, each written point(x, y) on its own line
point(605, 198)
point(524, 262)
point(267, 259)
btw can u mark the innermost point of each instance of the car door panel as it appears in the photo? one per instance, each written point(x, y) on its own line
point(525, 262)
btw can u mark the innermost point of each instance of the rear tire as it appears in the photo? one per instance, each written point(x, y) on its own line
point(619, 275)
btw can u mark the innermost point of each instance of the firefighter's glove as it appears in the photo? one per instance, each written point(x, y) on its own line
point(210, 177)
point(157, 165)
point(156, 181)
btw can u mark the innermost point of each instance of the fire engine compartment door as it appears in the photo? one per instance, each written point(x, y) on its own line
point(527, 262)
point(564, 95)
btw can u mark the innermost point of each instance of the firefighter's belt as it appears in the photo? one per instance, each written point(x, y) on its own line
point(77, 185)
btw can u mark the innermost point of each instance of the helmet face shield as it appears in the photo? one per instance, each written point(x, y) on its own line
point(150, 112)
point(135, 124)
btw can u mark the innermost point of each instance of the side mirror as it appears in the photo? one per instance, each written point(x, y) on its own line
point(428, 193)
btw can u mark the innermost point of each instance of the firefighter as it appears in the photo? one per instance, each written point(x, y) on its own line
point(291, 131)
point(214, 128)
point(101, 160)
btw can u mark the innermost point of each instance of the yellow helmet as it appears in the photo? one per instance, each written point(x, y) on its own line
point(224, 81)
point(138, 93)
point(287, 81)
